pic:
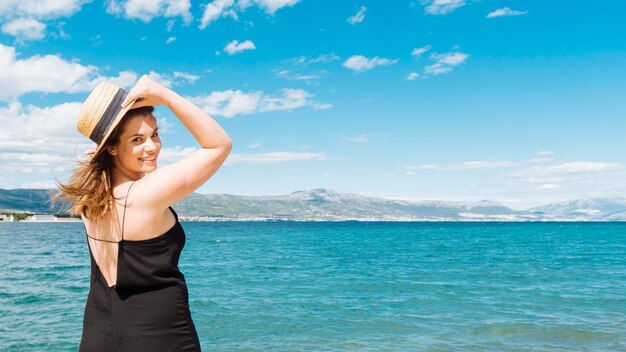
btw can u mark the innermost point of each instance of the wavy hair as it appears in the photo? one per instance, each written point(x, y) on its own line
point(89, 190)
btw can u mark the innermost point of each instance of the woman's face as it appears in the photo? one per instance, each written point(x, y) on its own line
point(139, 146)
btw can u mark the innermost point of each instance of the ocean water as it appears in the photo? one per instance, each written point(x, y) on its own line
point(294, 286)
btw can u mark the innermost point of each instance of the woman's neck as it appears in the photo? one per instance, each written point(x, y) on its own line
point(119, 175)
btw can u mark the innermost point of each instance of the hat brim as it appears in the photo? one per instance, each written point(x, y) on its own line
point(114, 124)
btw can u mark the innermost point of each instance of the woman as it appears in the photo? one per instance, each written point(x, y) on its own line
point(138, 298)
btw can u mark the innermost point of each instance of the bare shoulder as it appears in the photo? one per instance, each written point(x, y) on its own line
point(169, 184)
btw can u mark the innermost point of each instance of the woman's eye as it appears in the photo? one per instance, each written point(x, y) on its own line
point(155, 135)
point(137, 140)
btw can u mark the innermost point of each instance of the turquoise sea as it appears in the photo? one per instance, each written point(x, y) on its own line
point(348, 286)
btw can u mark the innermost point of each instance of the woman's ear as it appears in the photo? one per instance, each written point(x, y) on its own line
point(112, 150)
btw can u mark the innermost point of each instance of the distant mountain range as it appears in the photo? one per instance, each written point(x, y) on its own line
point(327, 205)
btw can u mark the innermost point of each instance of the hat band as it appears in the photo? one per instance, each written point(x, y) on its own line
point(108, 117)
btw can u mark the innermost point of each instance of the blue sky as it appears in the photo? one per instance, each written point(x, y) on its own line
point(520, 102)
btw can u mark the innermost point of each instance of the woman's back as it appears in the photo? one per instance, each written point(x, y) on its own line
point(147, 309)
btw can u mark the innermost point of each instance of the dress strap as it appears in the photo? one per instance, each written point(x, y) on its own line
point(125, 202)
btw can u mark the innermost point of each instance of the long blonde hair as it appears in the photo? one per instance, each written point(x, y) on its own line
point(89, 191)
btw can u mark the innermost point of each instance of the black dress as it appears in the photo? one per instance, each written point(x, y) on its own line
point(148, 308)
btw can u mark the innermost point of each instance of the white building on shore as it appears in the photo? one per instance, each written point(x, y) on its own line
point(7, 218)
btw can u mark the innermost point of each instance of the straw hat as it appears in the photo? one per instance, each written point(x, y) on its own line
point(101, 113)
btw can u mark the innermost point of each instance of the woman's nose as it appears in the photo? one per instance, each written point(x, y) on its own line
point(150, 145)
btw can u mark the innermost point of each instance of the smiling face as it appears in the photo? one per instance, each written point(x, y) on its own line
point(139, 146)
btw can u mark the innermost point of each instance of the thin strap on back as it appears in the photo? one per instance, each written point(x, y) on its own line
point(98, 239)
point(125, 202)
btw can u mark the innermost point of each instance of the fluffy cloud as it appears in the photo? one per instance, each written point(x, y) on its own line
point(358, 17)
point(146, 10)
point(45, 139)
point(25, 29)
point(230, 103)
point(442, 7)
point(412, 76)
point(271, 6)
point(41, 9)
point(170, 80)
point(445, 63)
point(272, 158)
point(505, 11)
point(359, 63)
point(48, 73)
point(306, 61)
point(229, 8)
point(362, 138)
point(188, 77)
point(235, 47)
point(420, 51)
point(581, 166)
point(548, 181)
point(24, 18)
point(217, 9)
point(468, 165)
point(299, 69)
point(53, 74)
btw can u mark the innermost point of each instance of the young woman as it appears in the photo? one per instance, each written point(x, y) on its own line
point(138, 298)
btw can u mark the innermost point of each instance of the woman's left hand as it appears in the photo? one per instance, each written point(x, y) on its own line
point(147, 92)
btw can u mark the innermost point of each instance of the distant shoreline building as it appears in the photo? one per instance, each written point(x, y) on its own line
point(49, 218)
point(7, 218)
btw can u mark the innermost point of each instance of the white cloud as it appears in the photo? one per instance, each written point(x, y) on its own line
point(549, 186)
point(420, 51)
point(235, 47)
point(272, 158)
point(445, 63)
point(170, 40)
point(299, 69)
point(39, 140)
point(217, 9)
point(175, 79)
point(505, 11)
point(359, 63)
point(165, 127)
point(254, 145)
point(228, 8)
point(581, 166)
point(305, 61)
point(230, 103)
point(412, 76)
point(545, 152)
point(362, 138)
point(41, 9)
point(49, 74)
point(442, 7)
point(321, 106)
point(25, 29)
point(468, 165)
point(271, 6)
point(169, 25)
point(358, 17)
point(534, 183)
point(186, 76)
point(125, 79)
point(172, 155)
point(53, 74)
point(162, 79)
point(296, 77)
point(146, 10)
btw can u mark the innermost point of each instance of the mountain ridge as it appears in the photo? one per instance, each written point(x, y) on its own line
point(329, 205)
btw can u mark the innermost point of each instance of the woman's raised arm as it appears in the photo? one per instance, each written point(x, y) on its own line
point(168, 185)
